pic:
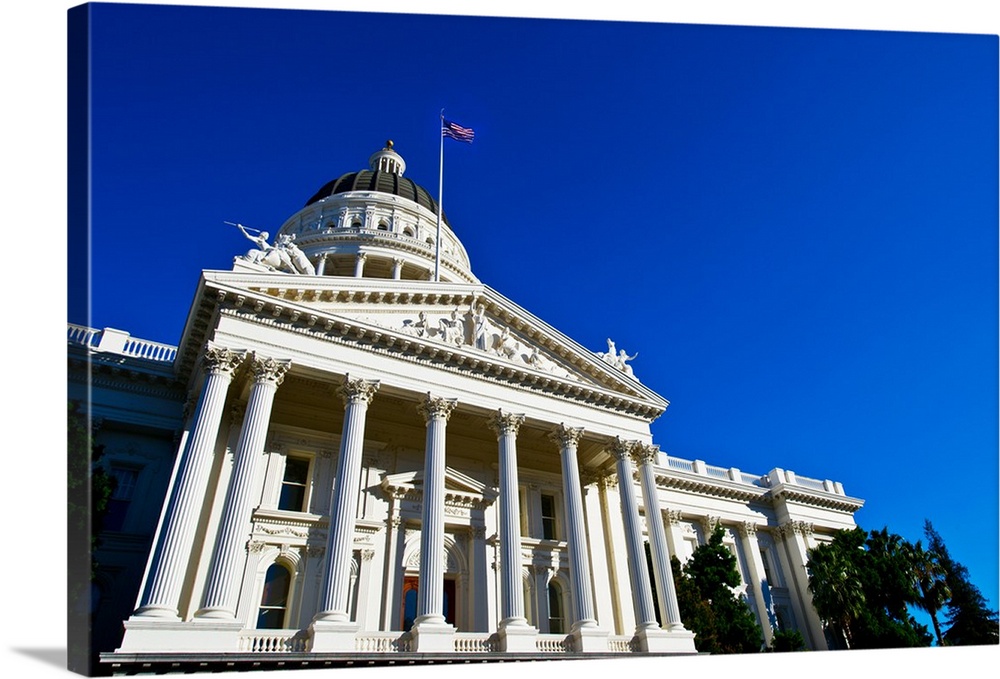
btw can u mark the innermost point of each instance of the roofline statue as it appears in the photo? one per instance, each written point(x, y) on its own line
point(284, 255)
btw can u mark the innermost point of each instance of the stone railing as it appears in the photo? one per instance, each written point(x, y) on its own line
point(382, 642)
point(273, 641)
point(476, 643)
point(621, 644)
point(553, 643)
point(120, 342)
point(297, 641)
point(773, 478)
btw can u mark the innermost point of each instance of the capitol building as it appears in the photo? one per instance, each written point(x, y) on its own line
point(360, 452)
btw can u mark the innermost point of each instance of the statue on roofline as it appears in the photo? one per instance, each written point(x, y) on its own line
point(617, 358)
point(283, 256)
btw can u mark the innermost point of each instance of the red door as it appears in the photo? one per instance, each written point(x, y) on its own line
point(410, 589)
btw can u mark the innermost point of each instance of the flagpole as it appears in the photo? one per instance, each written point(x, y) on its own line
point(437, 241)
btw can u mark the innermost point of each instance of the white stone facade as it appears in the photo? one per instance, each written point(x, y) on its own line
point(371, 462)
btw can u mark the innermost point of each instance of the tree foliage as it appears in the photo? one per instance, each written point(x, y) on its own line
point(863, 585)
point(970, 621)
point(721, 621)
point(784, 641)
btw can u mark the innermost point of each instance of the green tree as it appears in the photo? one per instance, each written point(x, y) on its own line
point(784, 641)
point(862, 586)
point(970, 621)
point(835, 582)
point(88, 490)
point(932, 584)
point(722, 622)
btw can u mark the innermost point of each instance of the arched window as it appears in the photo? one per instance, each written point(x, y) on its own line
point(383, 225)
point(408, 231)
point(356, 223)
point(556, 618)
point(274, 600)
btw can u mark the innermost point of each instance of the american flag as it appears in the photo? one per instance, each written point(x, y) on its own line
point(456, 131)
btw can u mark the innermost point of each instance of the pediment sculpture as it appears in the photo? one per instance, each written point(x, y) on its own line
point(476, 329)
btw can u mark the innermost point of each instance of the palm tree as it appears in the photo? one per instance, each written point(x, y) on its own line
point(835, 583)
point(931, 581)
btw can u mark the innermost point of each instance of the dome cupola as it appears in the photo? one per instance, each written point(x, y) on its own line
point(376, 223)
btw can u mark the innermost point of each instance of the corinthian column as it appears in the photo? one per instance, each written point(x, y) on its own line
point(161, 595)
point(222, 588)
point(333, 615)
point(645, 457)
point(648, 633)
point(514, 631)
point(587, 636)
point(430, 630)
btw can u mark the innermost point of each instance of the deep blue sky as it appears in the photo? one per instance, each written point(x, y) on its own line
point(796, 229)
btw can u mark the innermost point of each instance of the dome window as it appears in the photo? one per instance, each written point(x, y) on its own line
point(356, 223)
point(383, 225)
point(408, 231)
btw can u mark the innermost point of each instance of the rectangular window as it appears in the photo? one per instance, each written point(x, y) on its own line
point(118, 504)
point(293, 485)
point(767, 567)
point(548, 517)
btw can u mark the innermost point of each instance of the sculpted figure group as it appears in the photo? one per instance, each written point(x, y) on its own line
point(284, 255)
point(617, 360)
point(475, 328)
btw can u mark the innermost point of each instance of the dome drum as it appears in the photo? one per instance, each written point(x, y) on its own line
point(383, 226)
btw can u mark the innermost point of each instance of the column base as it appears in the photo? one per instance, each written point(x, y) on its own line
point(657, 640)
point(327, 636)
point(517, 636)
point(433, 636)
point(589, 639)
point(152, 635)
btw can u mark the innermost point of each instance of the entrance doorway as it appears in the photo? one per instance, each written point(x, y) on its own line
point(410, 589)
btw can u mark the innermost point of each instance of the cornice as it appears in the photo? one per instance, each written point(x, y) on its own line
point(669, 478)
point(285, 307)
point(816, 498)
point(712, 487)
point(119, 375)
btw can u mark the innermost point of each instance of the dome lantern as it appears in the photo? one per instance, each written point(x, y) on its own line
point(387, 160)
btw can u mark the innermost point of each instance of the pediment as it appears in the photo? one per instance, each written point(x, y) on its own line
point(469, 327)
point(457, 485)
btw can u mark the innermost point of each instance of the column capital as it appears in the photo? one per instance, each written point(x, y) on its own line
point(219, 360)
point(566, 436)
point(266, 369)
point(791, 528)
point(673, 516)
point(504, 423)
point(621, 449)
point(357, 390)
point(747, 529)
point(709, 523)
point(645, 453)
point(436, 407)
